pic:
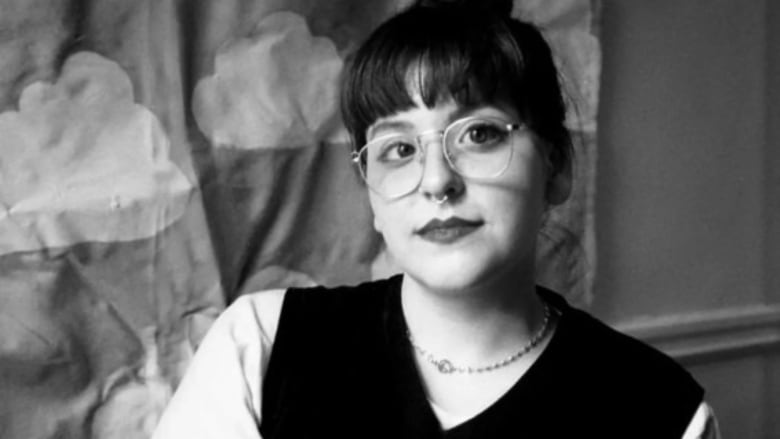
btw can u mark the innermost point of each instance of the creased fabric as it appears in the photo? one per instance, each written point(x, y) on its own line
point(160, 158)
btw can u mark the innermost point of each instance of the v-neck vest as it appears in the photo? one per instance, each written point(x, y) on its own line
point(341, 366)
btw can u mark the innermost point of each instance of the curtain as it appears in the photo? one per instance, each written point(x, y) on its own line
point(159, 158)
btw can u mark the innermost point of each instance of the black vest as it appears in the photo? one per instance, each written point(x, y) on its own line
point(342, 367)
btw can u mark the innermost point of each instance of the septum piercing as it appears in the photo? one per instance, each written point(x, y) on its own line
point(441, 200)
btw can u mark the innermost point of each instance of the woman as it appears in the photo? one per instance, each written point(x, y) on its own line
point(458, 118)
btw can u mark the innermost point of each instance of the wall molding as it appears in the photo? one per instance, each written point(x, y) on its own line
point(707, 336)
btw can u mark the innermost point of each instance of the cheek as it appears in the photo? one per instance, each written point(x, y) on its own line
point(379, 210)
point(390, 220)
point(531, 181)
point(521, 203)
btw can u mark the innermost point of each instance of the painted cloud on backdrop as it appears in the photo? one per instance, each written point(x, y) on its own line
point(81, 161)
point(275, 89)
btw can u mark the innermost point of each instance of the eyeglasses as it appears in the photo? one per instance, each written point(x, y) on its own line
point(475, 147)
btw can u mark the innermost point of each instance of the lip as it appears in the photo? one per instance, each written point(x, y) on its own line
point(448, 230)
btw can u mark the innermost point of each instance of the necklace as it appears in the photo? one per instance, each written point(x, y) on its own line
point(445, 366)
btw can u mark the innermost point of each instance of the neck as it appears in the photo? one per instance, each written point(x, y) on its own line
point(473, 325)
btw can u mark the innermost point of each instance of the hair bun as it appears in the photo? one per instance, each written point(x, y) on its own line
point(502, 8)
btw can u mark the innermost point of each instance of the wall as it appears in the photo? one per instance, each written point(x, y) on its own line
point(688, 205)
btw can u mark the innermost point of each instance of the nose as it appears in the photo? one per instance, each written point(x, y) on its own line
point(438, 178)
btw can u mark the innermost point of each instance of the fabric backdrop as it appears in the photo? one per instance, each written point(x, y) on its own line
point(159, 158)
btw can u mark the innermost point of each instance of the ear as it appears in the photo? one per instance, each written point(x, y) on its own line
point(559, 186)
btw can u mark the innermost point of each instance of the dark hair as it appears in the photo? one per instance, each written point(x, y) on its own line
point(470, 51)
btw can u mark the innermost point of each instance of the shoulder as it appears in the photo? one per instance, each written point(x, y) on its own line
point(331, 322)
point(338, 303)
point(605, 348)
point(244, 334)
point(636, 381)
point(704, 424)
point(366, 289)
point(259, 310)
point(612, 352)
point(222, 385)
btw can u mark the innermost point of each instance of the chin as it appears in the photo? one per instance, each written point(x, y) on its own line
point(449, 276)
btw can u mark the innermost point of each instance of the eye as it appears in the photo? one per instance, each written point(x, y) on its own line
point(478, 136)
point(397, 150)
point(483, 133)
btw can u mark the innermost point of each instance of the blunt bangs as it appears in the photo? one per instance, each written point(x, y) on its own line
point(439, 56)
point(454, 52)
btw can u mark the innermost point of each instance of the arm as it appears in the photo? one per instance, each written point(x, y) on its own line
point(221, 393)
point(703, 425)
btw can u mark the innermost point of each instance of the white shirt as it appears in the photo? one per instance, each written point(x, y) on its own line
point(221, 393)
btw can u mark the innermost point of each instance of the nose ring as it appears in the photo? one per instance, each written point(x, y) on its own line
point(441, 200)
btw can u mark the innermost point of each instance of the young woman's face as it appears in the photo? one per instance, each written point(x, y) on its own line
point(487, 228)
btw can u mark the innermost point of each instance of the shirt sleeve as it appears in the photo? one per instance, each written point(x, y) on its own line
point(703, 425)
point(220, 395)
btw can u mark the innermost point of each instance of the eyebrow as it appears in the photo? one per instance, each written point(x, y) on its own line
point(389, 125)
point(402, 125)
point(465, 111)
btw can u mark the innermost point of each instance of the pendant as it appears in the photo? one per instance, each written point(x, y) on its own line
point(445, 366)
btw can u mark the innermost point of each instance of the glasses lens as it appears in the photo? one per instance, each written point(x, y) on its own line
point(390, 165)
point(479, 148)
